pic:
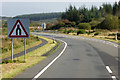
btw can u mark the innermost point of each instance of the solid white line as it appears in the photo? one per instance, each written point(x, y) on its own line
point(109, 70)
point(43, 70)
point(114, 78)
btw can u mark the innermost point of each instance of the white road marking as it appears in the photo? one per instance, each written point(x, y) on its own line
point(115, 45)
point(95, 40)
point(43, 70)
point(103, 41)
point(109, 70)
point(107, 67)
point(114, 78)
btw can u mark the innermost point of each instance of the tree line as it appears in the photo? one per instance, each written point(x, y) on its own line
point(85, 15)
point(40, 16)
point(106, 16)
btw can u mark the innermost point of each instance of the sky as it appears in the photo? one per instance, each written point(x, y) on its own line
point(11, 8)
point(59, 0)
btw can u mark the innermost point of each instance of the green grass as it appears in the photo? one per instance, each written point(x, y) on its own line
point(18, 45)
point(9, 70)
point(85, 35)
point(59, 44)
point(116, 41)
point(112, 40)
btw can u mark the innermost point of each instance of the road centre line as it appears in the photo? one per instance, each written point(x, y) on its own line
point(114, 78)
point(96, 40)
point(44, 69)
point(109, 70)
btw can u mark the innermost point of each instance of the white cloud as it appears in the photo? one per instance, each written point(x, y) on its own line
point(60, 0)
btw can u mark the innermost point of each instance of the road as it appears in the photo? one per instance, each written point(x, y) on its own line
point(83, 59)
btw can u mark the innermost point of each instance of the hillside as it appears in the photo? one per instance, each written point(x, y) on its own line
point(40, 16)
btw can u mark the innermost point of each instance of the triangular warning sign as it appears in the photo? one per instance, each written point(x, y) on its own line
point(18, 30)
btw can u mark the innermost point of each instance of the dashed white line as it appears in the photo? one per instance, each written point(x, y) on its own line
point(107, 67)
point(43, 70)
point(103, 41)
point(95, 40)
point(109, 70)
point(114, 78)
point(115, 45)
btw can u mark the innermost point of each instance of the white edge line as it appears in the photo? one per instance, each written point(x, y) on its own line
point(109, 70)
point(43, 70)
point(114, 78)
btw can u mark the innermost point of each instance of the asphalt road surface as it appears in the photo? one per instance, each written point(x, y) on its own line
point(82, 59)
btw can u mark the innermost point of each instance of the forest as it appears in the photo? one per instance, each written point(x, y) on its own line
point(85, 15)
point(106, 16)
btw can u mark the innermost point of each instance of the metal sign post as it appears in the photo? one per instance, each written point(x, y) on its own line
point(44, 26)
point(12, 49)
point(25, 48)
point(18, 28)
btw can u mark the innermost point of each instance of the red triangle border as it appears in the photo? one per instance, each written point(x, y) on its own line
point(19, 36)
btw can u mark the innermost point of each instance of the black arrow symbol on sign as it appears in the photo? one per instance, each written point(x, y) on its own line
point(18, 30)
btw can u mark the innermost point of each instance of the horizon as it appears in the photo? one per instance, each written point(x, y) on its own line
point(12, 9)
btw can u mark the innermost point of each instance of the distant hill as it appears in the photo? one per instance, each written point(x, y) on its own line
point(41, 16)
point(4, 18)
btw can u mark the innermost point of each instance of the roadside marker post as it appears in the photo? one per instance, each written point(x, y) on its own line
point(18, 28)
point(116, 36)
point(53, 40)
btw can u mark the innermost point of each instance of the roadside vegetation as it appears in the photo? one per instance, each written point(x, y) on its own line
point(11, 69)
point(18, 44)
point(102, 22)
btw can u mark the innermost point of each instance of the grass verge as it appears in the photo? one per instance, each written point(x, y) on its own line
point(32, 43)
point(94, 37)
point(102, 38)
point(9, 70)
